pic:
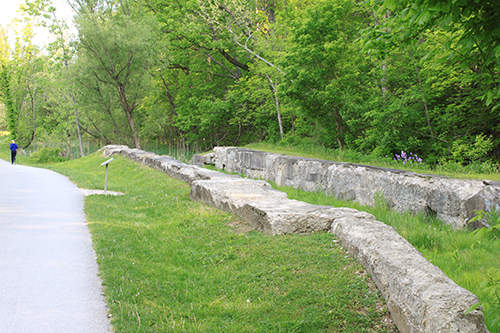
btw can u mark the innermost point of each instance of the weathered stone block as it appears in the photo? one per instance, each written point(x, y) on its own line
point(419, 295)
point(454, 201)
point(203, 159)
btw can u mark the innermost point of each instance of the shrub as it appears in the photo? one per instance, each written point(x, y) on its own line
point(49, 155)
point(472, 149)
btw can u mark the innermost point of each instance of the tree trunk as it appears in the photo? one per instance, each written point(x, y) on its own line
point(128, 110)
point(73, 98)
point(423, 99)
point(82, 154)
point(34, 115)
point(276, 100)
point(383, 80)
point(340, 127)
point(172, 105)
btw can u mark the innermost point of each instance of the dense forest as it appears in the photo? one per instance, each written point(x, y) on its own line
point(376, 76)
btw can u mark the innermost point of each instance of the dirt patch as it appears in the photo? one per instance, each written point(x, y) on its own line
point(239, 226)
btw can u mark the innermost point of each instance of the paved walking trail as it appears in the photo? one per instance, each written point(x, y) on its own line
point(48, 271)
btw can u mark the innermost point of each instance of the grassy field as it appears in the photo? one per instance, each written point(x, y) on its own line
point(172, 265)
point(472, 261)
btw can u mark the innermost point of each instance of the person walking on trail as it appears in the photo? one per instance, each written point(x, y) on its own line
point(13, 152)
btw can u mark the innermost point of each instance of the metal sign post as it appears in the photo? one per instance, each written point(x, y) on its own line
point(106, 177)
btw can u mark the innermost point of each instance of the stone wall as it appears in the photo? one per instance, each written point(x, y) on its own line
point(454, 201)
point(420, 297)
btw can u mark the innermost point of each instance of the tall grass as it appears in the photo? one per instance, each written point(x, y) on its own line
point(70, 149)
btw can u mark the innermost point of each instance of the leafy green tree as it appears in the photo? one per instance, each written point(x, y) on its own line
point(10, 112)
point(429, 102)
point(325, 69)
point(21, 82)
point(7, 118)
point(45, 14)
point(474, 34)
point(115, 44)
point(201, 70)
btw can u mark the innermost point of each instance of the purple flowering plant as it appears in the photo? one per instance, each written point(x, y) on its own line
point(407, 158)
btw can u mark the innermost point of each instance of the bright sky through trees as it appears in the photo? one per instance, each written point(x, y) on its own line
point(9, 11)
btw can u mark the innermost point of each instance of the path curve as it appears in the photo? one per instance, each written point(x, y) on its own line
point(48, 269)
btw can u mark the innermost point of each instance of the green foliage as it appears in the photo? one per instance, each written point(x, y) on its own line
point(48, 155)
point(370, 78)
point(473, 24)
point(380, 201)
point(471, 168)
point(11, 113)
point(114, 50)
point(472, 151)
point(202, 76)
point(178, 151)
point(493, 231)
point(324, 67)
point(491, 286)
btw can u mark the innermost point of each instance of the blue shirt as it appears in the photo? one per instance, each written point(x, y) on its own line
point(13, 146)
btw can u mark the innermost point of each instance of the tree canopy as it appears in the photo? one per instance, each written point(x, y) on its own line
point(375, 77)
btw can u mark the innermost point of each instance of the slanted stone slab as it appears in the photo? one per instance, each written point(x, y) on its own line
point(265, 208)
point(169, 165)
point(420, 297)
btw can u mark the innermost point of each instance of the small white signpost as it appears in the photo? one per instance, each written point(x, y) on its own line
point(106, 177)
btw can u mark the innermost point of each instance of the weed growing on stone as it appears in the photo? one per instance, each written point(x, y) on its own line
point(172, 265)
point(380, 200)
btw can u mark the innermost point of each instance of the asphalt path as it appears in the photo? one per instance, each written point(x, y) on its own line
point(48, 270)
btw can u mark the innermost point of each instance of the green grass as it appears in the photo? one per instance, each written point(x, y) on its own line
point(463, 257)
point(173, 265)
point(449, 169)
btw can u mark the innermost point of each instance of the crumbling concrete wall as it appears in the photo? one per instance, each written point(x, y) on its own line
point(454, 201)
point(420, 297)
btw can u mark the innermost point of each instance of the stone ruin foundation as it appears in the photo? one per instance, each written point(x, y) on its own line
point(454, 201)
point(420, 297)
